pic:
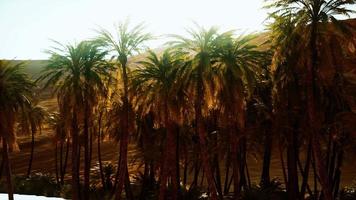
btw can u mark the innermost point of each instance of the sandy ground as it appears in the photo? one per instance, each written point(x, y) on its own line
point(44, 154)
point(44, 160)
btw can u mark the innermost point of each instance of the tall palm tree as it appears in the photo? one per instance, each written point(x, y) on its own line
point(201, 47)
point(15, 92)
point(126, 43)
point(58, 125)
point(287, 95)
point(310, 17)
point(77, 73)
point(239, 61)
point(154, 83)
point(32, 118)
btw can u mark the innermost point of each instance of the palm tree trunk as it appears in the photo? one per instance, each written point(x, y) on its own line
point(91, 137)
point(61, 147)
point(152, 172)
point(242, 162)
point(202, 178)
point(227, 171)
point(313, 124)
point(99, 151)
point(202, 135)
point(306, 171)
point(174, 162)
point(56, 161)
point(79, 169)
point(337, 174)
point(100, 160)
point(2, 168)
point(248, 177)
point(265, 177)
point(217, 168)
point(6, 160)
point(125, 136)
point(75, 154)
point(315, 177)
point(235, 166)
point(31, 154)
point(168, 157)
point(185, 170)
point(163, 176)
point(281, 157)
point(292, 186)
point(178, 158)
point(64, 167)
point(116, 181)
point(122, 166)
point(128, 191)
point(145, 183)
point(86, 151)
point(197, 167)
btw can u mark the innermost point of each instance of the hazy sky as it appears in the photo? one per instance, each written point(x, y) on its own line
point(27, 26)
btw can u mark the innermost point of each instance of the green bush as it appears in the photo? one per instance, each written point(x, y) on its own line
point(347, 194)
point(273, 191)
point(37, 184)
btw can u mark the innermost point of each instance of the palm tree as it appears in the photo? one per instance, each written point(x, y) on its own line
point(239, 61)
point(77, 73)
point(58, 125)
point(287, 94)
point(15, 92)
point(201, 48)
point(310, 17)
point(154, 83)
point(127, 43)
point(31, 120)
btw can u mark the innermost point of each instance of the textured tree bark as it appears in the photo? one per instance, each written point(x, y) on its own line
point(185, 170)
point(125, 135)
point(128, 191)
point(242, 162)
point(2, 168)
point(168, 165)
point(145, 183)
point(265, 176)
point(197, 168)
point(217, 168)
point(75, 152)
point(6, 160)
point(122, 166)
point(218, 177)
point(61, 146)
point(281, 157)
point(64, 167)
point(227, 171)
point(56, 162)
point(31, 154)
point(234, 160)
point(177, 159)
point(306, 171)
point(100, 160)
point(86, 151)
point(292, 186)
point(313, 124)
point(202, 135)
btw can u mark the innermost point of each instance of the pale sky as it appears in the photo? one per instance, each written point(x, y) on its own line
point(27, 26)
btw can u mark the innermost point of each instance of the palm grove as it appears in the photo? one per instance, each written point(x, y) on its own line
point(194, 110)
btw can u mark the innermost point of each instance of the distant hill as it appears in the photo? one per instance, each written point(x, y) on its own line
point(32, 67)
point(343, 51)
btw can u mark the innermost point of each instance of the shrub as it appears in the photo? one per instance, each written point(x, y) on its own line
point(273, 191)
point(36, 184)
